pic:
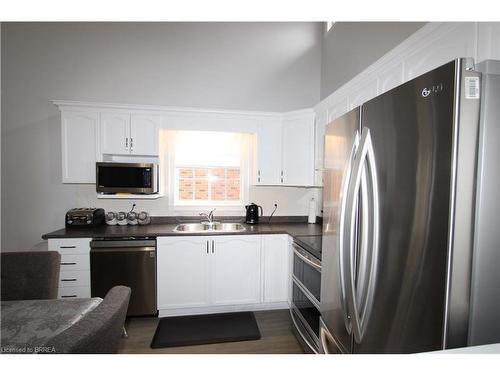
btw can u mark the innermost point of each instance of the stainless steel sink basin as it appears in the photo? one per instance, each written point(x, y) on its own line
point(229, 227)
point(192, 227)
point(214, 227)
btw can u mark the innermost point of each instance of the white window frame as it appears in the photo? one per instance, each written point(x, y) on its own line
point(197, 206)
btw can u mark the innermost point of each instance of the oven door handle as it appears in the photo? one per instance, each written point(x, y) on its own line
point(301, 334)
point(305, 259)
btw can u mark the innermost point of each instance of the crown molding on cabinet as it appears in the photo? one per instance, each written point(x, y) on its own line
point(431, 46)
point(74, 105)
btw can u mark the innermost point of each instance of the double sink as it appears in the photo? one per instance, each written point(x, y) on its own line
point(209, 227)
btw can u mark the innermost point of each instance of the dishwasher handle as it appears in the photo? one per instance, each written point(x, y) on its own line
point(122, 243)
point(97, 250)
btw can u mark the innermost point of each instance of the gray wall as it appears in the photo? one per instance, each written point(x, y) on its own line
point(250, 66)
point(350, 47)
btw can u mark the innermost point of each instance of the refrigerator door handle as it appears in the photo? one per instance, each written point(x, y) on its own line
point(372, 247)
point(360, 301)
point(344, 233)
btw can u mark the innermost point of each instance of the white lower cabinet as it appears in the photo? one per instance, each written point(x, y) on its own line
point(203, 274)
point(275, 248)
point(236, 270)
point(74, 275)
point(183, 272)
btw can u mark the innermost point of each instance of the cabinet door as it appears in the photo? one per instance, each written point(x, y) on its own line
point(236, 270)
point(183, 272)
point(115, 133)
point(298, 150)
point(144, 135)
point(79, 146)
point(276, 267)
point(269, 153)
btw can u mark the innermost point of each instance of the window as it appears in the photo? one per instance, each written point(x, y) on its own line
point(210, 168)
point(208, 183)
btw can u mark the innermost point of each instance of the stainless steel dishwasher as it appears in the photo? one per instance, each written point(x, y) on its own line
point(125, 261)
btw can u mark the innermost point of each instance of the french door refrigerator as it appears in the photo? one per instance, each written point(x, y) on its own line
point(398, 217)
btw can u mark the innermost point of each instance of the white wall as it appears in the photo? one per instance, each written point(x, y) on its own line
point(248, 66)
point(350, 47)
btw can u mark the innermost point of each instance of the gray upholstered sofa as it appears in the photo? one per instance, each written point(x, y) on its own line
point(100, 330)
point(34, 275)
point(28, 275)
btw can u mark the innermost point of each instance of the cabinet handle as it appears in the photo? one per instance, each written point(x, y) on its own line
point(281, 176)
point(213, 246)
point(258, 173)
point(207, 247)
point(68, 263)
point(131, 143)
point(68, 279)
point(69, 296)
point(126, 143)
point(67, 247)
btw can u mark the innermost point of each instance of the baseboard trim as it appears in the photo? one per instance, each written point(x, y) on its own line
point(221, 309)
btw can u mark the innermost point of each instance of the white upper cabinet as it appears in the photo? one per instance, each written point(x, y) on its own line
point(79, 146)
point(298, 148)
point(285, 142)
point(144, 131)
point(126, 134)
point(236, 270)
point(286, 150)
point(269, 153)
point(115, 133)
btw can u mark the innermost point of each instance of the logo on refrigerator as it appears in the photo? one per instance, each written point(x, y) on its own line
point(434, 89)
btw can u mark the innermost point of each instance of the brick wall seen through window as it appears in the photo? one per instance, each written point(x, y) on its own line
point(208, 183)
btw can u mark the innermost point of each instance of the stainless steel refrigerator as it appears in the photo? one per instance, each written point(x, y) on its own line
point(398, 217)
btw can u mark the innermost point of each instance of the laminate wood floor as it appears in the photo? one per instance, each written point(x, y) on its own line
point(275, 328)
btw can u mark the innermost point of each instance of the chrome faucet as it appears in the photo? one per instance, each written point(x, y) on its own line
point(209, 216)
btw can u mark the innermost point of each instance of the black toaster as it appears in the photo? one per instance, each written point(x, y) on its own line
point(85, 217)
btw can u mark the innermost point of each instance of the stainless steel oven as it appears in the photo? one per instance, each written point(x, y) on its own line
point(306, 286)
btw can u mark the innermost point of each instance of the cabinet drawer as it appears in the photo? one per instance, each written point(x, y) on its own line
point(71, 278)
point(70, 245)
point(74, 292)
point(75, 262)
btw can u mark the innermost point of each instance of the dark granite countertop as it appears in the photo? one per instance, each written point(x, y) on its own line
point(166, 229)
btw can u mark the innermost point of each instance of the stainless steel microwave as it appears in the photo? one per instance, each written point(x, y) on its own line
point(132, 178)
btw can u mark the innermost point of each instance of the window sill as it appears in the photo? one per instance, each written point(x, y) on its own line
point(198, 208)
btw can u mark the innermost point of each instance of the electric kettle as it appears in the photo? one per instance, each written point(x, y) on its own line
point(252, 216)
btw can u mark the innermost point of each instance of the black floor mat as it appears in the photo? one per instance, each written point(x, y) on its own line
point(205, 329)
